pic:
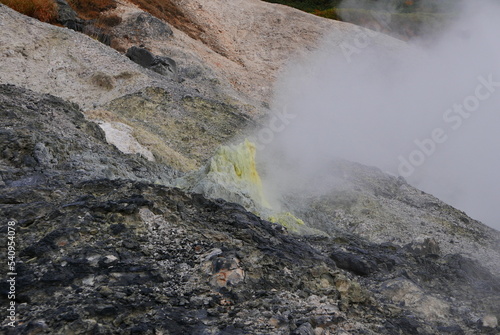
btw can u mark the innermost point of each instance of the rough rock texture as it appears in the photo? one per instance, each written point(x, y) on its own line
point(192, 126)
point(44, 137)
point(103, 256)
point(65, 13)
point(382, 208)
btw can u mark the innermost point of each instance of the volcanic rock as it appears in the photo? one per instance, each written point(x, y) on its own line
point(162, 65)
point(100, 252)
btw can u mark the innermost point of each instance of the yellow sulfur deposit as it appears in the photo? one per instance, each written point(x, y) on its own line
point(235, 165)
point(231, 174)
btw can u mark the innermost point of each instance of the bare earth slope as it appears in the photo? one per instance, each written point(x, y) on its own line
point(75, 67)
point(226, 74)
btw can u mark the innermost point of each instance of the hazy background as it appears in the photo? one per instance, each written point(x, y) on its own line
point(372, 106)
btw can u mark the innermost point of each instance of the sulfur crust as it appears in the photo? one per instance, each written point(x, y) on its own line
point(235, 165)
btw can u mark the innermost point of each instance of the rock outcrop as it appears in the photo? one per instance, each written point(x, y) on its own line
point(44, 137)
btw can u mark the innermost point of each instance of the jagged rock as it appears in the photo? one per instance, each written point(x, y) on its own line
point(353, 263)
point(58, 139)
point(43, 156)
point(304, 329)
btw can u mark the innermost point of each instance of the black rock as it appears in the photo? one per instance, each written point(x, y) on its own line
point(354, 263)
point(163, 65)
point(304, 329)
point(141, 56)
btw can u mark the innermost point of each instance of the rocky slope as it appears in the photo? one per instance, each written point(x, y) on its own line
point(385, 209)
point(76, 67)
point(100, 251)
point(105, 244)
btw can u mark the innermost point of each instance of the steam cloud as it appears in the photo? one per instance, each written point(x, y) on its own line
point(429, 111)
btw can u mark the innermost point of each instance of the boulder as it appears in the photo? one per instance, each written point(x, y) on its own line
point(163, 65)
point(65, 13)
point(141, 56)
point(353, 263)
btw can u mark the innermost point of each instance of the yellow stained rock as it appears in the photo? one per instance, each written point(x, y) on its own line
point(235, 165)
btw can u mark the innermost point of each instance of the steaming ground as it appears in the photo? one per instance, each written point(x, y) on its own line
point(429, 112)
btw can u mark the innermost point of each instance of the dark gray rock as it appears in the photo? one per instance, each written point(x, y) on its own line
point(304, 329)
point(163, 65)
point(353, 263)
point(58, 141)
point(141, 56)
point(65, 13)
point(68, 17)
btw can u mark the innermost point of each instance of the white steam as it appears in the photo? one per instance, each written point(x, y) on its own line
point(428, 111)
